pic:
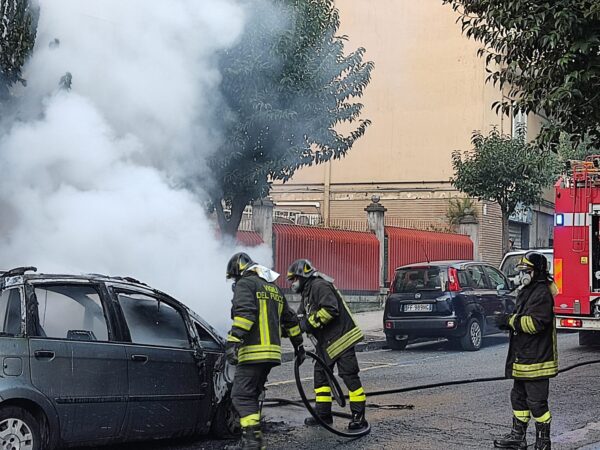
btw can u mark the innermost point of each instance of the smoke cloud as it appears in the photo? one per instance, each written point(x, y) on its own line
point(89, 177)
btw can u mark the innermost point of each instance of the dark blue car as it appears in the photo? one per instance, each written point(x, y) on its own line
point(453, 299)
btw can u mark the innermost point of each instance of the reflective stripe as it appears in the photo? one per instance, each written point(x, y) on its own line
point(547, 417)
point(242, 323)
point(511, 321)
point(258, 352)
point(527, 324)
point(265, 337)
point(313, 321)
point(294, 331)
point(323, 398)
point(324, 315)
point(260, 356)
point(250, 420)
point(523, 416)
point(325, 389)
point(545, 369)
point(232, 338)
point(358, 395)
point(344, 342)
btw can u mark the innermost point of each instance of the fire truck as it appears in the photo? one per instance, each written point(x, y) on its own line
point(577, 250)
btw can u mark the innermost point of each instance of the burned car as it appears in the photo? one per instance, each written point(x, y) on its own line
point(89, 360)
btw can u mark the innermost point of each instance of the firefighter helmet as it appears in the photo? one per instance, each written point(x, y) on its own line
point(238, 264)
point(533, 261)
point(301, 268)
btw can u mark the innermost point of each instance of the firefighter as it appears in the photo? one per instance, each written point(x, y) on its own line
point(532, 353)
point(323, 314)
point(260, 314)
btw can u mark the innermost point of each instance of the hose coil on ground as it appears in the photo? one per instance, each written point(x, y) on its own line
point(336, 392)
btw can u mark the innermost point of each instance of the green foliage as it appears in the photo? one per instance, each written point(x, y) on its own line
point(567, 150)
point(18, 27)
point(458, 208)
point(502, 169)
point(547, 54)
point(290, 90)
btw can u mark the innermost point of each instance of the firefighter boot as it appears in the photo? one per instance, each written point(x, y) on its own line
point(542, 436)
point(323, 410)
point(516, 439)
point(358, 421)
point(252, 439)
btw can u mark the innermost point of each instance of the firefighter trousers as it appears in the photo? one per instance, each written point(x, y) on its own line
point(530, 400)
point(248, 383)
point(347, 366)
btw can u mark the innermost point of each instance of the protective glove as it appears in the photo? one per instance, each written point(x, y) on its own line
point(502, 321)
point(231, 352)
point(305, 325)
point(300, 353)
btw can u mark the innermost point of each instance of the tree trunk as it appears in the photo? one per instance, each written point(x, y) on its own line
point(229, 226)
point(505, 233)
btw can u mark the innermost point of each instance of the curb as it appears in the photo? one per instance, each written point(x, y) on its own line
point(367, 346)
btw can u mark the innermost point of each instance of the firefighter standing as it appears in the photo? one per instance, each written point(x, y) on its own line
point(532, 353)
point(324, 315)
point(260, 314)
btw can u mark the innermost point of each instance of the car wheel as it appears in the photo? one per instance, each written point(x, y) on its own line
point(395, 344)
point(471, 341)
point(226, 421)
point(589, 338)
point(19, 430)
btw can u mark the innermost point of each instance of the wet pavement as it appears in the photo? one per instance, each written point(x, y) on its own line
point(455, 417)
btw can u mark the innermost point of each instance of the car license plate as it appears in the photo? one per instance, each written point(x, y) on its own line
point(423, 307)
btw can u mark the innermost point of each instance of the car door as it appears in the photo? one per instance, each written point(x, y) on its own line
point(166, 376)
point(479, 287)
point(505, 298)
point(74, 362)
point(495, 297)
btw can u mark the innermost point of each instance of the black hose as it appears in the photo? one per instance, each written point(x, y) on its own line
point(429, 386)
point(335, 387)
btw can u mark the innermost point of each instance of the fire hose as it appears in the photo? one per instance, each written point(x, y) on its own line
point(340, 398)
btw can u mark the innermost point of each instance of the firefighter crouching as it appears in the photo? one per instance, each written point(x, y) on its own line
point(324, 314)
point(260, 316)
point(532, 353)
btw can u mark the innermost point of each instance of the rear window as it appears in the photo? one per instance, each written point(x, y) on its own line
point(415, 279)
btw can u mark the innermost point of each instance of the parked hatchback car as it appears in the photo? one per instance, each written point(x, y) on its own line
point(91, 360)
point(453, 299)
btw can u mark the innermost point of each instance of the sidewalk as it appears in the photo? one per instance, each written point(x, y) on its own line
point(371, 324)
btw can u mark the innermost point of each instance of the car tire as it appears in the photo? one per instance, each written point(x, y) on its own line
point(589, 338)
point(226, 421)
point(471, 341)
point(394, 344)
point(25, 430)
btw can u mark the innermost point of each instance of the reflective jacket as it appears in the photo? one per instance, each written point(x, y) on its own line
point(261, 315)
point(532, 351)
point(329, 318)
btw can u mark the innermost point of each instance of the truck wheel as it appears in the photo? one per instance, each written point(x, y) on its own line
point(471, 341)
point(395, 344)
point(19, 430)
point(589, 338)
point(226, 421)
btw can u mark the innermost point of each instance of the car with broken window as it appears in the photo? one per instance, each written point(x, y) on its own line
point(457, 300)
point(92, 360)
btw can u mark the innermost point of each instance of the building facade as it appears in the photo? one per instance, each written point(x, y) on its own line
point(427, 95)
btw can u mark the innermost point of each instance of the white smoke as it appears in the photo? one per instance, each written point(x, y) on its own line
point(88, 176)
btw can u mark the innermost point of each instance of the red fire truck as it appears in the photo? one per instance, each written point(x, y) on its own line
point(577, 250)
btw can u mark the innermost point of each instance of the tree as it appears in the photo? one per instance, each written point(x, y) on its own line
point(18, 27)
point(499, 168)
point(547, 53)
point(290, 91)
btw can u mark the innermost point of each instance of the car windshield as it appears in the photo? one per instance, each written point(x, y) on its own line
point(414, 279)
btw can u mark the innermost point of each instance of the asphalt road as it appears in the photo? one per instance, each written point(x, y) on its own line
point(455, 417)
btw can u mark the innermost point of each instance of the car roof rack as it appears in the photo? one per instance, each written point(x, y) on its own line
point(18, 271)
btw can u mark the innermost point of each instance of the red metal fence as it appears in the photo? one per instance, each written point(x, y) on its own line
point(407, 246)
point(249, 238)
point(350, 257)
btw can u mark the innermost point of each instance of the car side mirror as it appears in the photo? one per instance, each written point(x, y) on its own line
point(500, 287)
